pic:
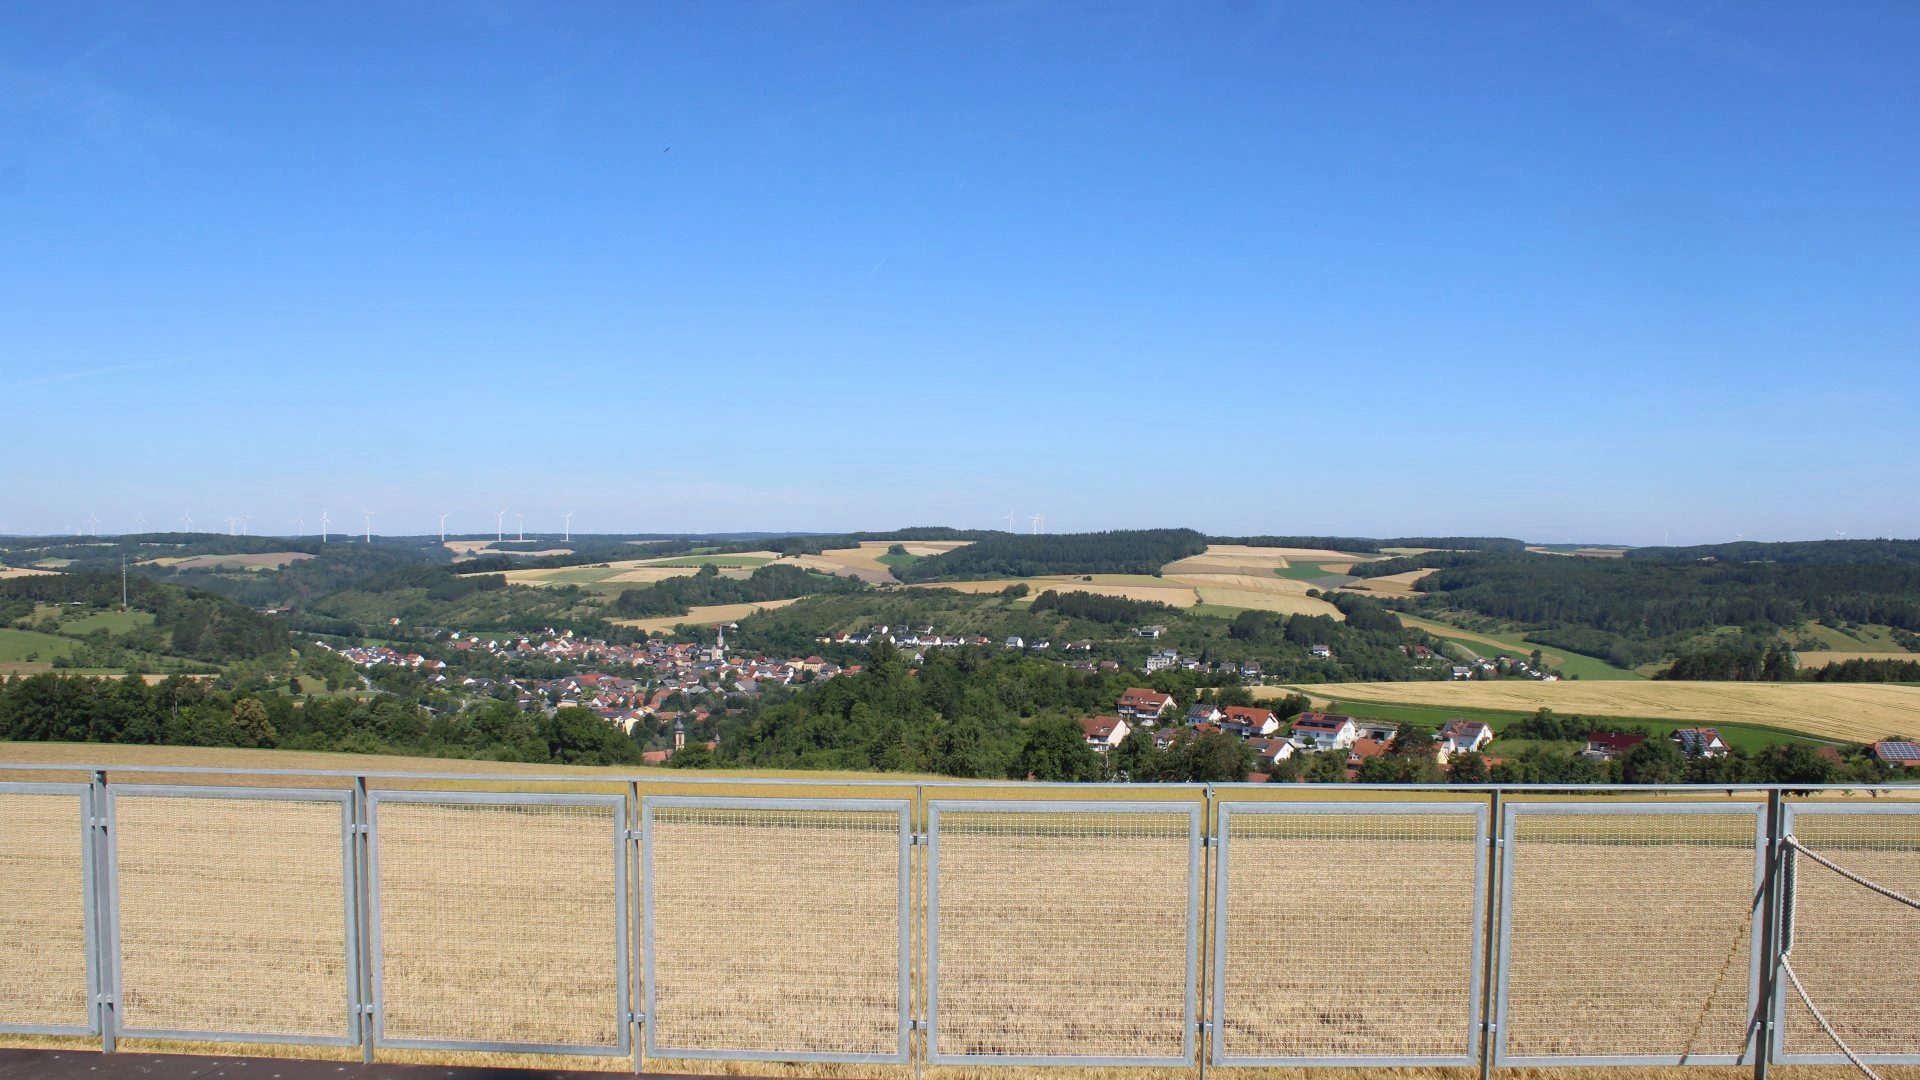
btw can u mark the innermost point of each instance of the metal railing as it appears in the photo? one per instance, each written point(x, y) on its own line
point(883, 921)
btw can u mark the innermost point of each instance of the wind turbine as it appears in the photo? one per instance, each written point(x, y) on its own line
point(520, 526)
point(567, 534)
point(187, 520)
point(368, 517)
point(443, 528)
point(300, 526)
point(499, 531)
point(244, 518)
point(1037, 519)
point(233, 524)
point(140, 523)
point(93, 523)
point(1009, 521)
point(323, 524)
point(1839, 534)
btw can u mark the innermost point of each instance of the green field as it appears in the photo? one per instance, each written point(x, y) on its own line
point(1748, 737)
point(1854, 639)
point(1571, 663)
point(17, 645)
point(897, 561)
point(1309, 572)
point(112, 621)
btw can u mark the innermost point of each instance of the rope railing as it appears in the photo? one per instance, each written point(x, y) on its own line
point(1786, 963)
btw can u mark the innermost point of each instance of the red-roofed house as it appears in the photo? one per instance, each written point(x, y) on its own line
point(1104, 732)
point(1700, 742)
point(1249, 722)
point(1898, 753)
point(1607, 745)
point(1144, 706)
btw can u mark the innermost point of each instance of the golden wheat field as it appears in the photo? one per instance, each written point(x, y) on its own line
point(21, 571)
point(702, 616)
point(1858, 712)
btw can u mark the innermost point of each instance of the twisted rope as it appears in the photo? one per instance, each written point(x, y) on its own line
point(1848, 874)
point(1824, 1026)
point(1787, 966)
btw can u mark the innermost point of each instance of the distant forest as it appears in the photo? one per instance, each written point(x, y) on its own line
point(1637, 610)
point(1139, 551)
point(189, 623)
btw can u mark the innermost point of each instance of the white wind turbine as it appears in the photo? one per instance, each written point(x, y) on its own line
point(520, 527)
point(187, 520)
point(324, 522)
point(233, 525)
point(443, 527)
point(367, 516)
point(499, 526)
point(93, 523)
point(1037, 519)
point(567, 534)
point(244, 518)
point(139, 523)
point(1009, 521)
point(300, 525)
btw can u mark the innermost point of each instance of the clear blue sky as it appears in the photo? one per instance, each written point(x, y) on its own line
point(1607, 270)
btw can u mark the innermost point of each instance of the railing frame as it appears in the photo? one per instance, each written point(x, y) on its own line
point(100, 876)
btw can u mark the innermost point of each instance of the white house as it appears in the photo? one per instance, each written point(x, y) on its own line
point(1462, 736)
point(1205, 713)
point(1104, 732)
point(1323, 731)
point(1700, 742)
point(1162, 660)
point(1321, 652)
point(1016, 642)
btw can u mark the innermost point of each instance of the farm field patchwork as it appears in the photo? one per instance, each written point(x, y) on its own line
point(1831, 656)
point(17, 645)
point(1490, 645)
point(266, 560)
point(1855, 712)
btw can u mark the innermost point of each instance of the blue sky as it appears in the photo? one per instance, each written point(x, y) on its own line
point(1608, 270)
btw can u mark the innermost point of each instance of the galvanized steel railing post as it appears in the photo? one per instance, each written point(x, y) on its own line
point(1489, 972)
point(105, 870)
point(918, 868)
point(636, 938)
point(1209, 867)
point(361, 810)
point(1762, 1023)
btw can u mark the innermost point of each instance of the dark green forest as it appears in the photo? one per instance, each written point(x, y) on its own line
point(774, 581)
point(1139, 551)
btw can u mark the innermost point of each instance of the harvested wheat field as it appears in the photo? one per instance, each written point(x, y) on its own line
point(703, 616)
point(1125, 585)
point(22, 571)
point(1393, 584)
point(1822, 657)
point(1857, 712)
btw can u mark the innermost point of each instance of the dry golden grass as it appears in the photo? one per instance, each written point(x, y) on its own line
point(1393, 584)
point(22, 571)
point(1170, 593)
point(703, 616)
point(1821, 658)
point(1858, 712)
point(270, 560)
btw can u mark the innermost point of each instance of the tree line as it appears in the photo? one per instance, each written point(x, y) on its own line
point(679, 595)
point(1134, 551)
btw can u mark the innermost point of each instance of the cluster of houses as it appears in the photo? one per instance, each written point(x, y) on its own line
point(651, 673)
point(1499, 667)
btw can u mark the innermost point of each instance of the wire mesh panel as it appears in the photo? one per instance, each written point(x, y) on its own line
point(500, 921)
point(776, 929)
point(1062, 932)
point(232, 916)
point(1627, 933)
point(46, 926)
point(1348, 933)
point(1856, 952)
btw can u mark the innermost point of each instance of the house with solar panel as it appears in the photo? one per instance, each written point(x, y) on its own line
point(1700, 742)
point(1899, 753)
